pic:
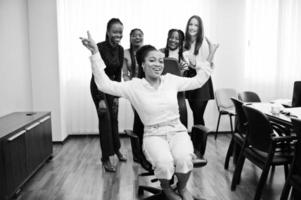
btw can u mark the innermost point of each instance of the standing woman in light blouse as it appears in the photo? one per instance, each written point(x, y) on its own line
point(106, 104)
point(198, 47)
point(130, 70)
point(166, 143)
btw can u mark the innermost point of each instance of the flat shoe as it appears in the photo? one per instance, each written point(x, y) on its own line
point(121, 157)
point(107, 165)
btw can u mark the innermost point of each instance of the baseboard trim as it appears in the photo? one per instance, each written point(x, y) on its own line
point(122, 134)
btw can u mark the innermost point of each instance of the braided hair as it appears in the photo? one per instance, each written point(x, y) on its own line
point(181, 41)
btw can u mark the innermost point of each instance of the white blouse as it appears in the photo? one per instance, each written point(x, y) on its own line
point(154, 106)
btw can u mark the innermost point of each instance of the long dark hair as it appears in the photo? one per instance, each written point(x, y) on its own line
point(110, 24)
point(140, 55)
point(133, 67)
point(181, 40)
point(199, 37)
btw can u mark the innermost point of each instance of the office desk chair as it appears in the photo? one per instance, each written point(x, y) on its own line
point(136, 143)
point(225, 105)
point(265, 145)
point(248, 96)
point(239, 136)
point(294, 177)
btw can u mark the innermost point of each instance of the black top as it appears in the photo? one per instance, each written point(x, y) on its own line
point(204, 93)
point(113, 58)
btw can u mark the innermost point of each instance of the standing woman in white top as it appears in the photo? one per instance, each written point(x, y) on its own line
point(166, 142)
point(198, 47)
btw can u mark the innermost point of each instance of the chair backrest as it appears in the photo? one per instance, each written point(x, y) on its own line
point(171, 65)
point(222, 97)
point(241, 118)
point(248, 96)
point(297, 158)
point(296, 101)
point(259, 131)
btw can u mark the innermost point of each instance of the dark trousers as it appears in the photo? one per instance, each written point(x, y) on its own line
point(198, 109)
point(107, 122)
point(198, 137)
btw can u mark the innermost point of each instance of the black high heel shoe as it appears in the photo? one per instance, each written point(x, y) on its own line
point(107, 165)
point(121, 157)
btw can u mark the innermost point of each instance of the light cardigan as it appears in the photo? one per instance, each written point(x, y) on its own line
point(154, 106)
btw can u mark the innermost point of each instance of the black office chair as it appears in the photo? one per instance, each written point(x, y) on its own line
point(248, 96)
point(294, 178)
point(265, 146)
point(296, 101)
point(238, 138)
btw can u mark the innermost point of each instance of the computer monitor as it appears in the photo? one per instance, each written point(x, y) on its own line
point(296, 101)
point(171, 65)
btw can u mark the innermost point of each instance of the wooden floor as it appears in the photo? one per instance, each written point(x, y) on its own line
point(76, 173)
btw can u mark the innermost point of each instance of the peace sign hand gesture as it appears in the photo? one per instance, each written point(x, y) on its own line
point(89, 43)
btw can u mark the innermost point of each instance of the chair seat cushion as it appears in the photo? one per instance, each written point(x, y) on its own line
point(240, 138)
point(230, 110)
point(278, 159)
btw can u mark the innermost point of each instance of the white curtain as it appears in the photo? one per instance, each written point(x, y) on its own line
point(272, 58)
point(154, 17)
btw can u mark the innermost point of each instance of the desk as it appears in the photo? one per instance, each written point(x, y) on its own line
point(279, 118)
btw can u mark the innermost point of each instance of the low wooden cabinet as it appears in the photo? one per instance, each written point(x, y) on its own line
point(25, 145)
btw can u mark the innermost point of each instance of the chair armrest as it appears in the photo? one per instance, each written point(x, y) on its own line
point(280, 129)
point(130, 133)
point(284, 138)
point(202, 128)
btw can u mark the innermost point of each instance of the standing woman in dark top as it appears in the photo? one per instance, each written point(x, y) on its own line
point(107, 105)
point(196, 48)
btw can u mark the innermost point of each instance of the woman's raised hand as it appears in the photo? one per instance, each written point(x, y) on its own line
point(89, 43)
point(212, 49)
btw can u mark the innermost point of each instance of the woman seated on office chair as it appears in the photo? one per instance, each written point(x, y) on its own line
point(166, 143)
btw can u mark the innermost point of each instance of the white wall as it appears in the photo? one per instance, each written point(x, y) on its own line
point(43, 41)
point(29, 60)
point(229, 31)
point(15, 78)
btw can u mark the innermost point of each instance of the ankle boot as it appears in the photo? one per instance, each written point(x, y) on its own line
point(121, 157)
